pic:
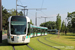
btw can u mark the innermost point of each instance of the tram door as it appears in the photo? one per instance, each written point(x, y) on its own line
point(28, 29)
point(34, 31)
point(41, 32)
point(44, 31)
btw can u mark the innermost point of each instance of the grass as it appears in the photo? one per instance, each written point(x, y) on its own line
point(39, 46)
point(22, 47)
point(68, 41)
point(5, 46)
point(62, 47)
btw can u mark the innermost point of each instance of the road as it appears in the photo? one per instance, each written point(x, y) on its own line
point(4, 37)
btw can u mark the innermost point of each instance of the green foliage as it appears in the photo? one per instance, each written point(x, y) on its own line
point(63, 27)
point(5, 16)
point(70, 15)
point(13, 12)
point(73, 24)
point(58, 22)
point(20, 13)
point(71, 21)
point(49, 24)
point(31, 22)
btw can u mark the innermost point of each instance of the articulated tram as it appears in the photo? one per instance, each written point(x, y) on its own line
point(20, 30)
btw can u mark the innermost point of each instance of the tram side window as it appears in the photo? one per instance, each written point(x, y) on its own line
point(31, 30)
point(41, 30)
point(28, 28)
point(38, 30)
point(34, 30)
point(46, 31)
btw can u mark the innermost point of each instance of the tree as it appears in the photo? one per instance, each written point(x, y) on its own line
point(58, 24)
point(5, 16)
point(21, 14)
point(69, 25)
point(71, 19)
point(63, 27)
point(13, 12)
point(31, 22)
point(73, 24)
point(49, 24)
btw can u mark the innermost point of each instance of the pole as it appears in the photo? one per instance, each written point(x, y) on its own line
point(45, 19)
point(36, 18)
point(0, 22)
point(24, 11)
point(16, 7)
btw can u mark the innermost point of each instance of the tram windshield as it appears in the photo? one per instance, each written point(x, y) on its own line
point(18, 25)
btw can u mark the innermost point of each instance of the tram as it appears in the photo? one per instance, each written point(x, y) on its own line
point(37, 31)
point(20, 30)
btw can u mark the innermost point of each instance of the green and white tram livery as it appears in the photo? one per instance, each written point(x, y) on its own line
point(18, 31)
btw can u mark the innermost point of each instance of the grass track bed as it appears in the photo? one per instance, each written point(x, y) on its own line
point(22, 47)
point(61, 40)
point(49, 39)
point(36, 45)
point(61, 46)
point(39, 46)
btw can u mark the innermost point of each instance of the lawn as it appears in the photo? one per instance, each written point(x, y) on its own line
point(5, 46)
point(68, 41)
point(39, 46)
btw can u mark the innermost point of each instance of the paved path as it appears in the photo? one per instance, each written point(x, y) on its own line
point(4, 37)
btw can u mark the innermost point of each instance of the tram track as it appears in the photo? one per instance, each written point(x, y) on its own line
point(26, 45)
point(13, 47)
point(47, 44)
point(54, 42)
point(30, 47)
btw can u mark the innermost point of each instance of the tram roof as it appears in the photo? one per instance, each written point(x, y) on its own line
point(52, 30)
point(28, 19)
point(38, 27)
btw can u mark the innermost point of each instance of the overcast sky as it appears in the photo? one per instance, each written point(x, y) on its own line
point(53, 7)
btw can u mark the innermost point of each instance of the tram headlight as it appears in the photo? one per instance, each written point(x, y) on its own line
point(12, 38)
point(23, 38)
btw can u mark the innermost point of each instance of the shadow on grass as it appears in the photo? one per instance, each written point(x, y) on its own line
point(70, 34)
point(5, 43)
point(72, 38)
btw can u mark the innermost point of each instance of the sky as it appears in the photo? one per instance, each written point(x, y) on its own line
point(53, 7)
